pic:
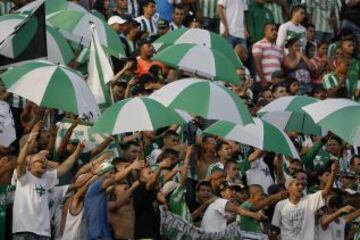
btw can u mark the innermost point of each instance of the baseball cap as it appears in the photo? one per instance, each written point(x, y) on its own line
point(116, 19)
point(163, 23)
point(289, 181)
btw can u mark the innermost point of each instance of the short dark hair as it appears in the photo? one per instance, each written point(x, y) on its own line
point(220, 144)
point(169, 133)
point(310, 25)
point(298, 171)
point(178, 6)
point(297, 8)
point(203, 183)
point(168, 152)
point(352, 159)
point(267, 24)
point(322, 43)
point(337, 139)
point(145, 3)
point(278, 85)
point(227, 164)
point(127, 145)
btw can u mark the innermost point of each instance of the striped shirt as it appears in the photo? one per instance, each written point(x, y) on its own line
point(271, 57)
point(177, 204)
point(277, 12)
point(173, 26)
point(320, 12)
point(133, 8)
point(209, 8)
point(6, 7)
point(16, 101)
point(149, 26)
point(331, 80)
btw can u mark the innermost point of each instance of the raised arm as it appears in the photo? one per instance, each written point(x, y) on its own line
point(243, 212)
point(271, 200)
point(185, 168)
point(69, 162)
point(155, 178)
point(101, 147)
point(334, 169)
point(66, 139)
point(120, 201)
point(327, 219)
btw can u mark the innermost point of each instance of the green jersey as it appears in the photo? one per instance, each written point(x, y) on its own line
point(249, 224)
point(177, 204)
point(4, 190)
point(320, 12)
point(277, 12)
point(256, 17)
point(209, 8)
point(353, 75)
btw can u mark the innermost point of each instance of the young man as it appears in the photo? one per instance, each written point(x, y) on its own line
point(163, 26)
point(232, 21)
point(355, 164)
point(295, 216)
point(223, 151)
point(293, 28)
point(210, 17)
point(144, 61)
point(147, 21)
point(177, 17)
point(204, 197)
point(31, 217)
point(267, 55)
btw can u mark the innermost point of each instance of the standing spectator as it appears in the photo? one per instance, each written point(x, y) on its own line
point(165, 8)
point(147, 21)
point(351, 20)
point(133, 8)
point(322, 14)
point(210, 17)
point(279, 8)
point(311, 34)
point(257, 16)
point(232, 21)
point(177, 17)
point(293, 27)
point(267, 55)
point(295, 217)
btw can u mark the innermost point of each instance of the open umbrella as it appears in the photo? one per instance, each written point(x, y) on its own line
point(287, 114)
point(204, 98)
point(200, 37)
point(200, 60)
point(52, 86)
point(76, 26)
point(52, 6)
point(260, 134)
point(135, 114)
point(340, 116)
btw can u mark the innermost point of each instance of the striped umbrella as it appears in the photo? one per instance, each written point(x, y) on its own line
point(135, 114)
point(52, 6)
point(287, 114)
point(204, 98)
point(259, 134)
point(200, 60)
point(200, 37)
point(75, 26)
point(340, 116)
point(52, 86)
point(59, 51)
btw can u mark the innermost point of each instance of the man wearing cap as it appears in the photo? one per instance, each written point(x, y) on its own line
point(163, 26)
point(295, 216)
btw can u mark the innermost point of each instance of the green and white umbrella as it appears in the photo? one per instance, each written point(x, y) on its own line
point(259, 134)
point(199, 60)
point(59, 51)
point(52, 6)
point(340, 116)
point(135, 114)
point(287, 114)
point(52, 86)
point(204, 98)
point(200, 37)
point(75, 26)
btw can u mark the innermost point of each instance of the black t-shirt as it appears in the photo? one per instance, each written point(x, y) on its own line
point(146, 221)
point(352, 14)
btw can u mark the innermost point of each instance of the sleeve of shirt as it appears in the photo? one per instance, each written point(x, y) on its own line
point(276, 220)
point(280, 41)
point(52, 178)
point(315, 201)
point(257, 50)
point(219, 205)
point(23, 179)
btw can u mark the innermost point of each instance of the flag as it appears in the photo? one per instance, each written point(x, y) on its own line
point(100, 71)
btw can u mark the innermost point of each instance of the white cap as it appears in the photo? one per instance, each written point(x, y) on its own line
point(289, 181)
point(116, 19)
point(169, 187)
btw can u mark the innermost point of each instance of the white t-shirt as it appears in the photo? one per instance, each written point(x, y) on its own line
point(31, 203)
point(214, 219)
point(259, 173)
point(297, 222)
point(335, 231)
point(290, 28)
point(234, 14)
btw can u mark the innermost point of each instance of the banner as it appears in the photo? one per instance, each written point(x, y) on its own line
point(7, 126)
point(174, 228)
point(81, 133)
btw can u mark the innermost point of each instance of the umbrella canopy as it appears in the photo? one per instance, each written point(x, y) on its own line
point(287, 114)
point(52, 86)
point(135, 114)
point(76, 26)
point(340, 116)
point(52, 6)
point(59, 51)
point(200, 60)
point(204, 98)
point(260, 134)
point(200, 37)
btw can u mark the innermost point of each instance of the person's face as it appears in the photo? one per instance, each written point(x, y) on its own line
point(241, 73)
point(146, 174)
point(117, 27)
point(322, 50)
point(320, 95)
point(122, 4)
point(163, 30)
point(348, 47)
point(325, 177)
point(343, 67)
point(132, 153)
point(70, 148)
point(241, 196)
point(294, 166)
point(267, 95)
point(296, 47)
point(38, 164)
point(310, 33)
point(178, 16)
point(106, 4)
point(225, 152)
point(346, 181)
point(271, 32)
point(210, 144)
point(228, 194)
point(256, 193)
point(204, 193)
point(150, 9)
point(299, 16)
point(118, 92)
point(216, 178)
point(280, 92)
point(356, 165)
point(334, 147)
point(296, 189)
point(134, 30)
point(147, 50)
point(171, 141)
point(242, 53)
point(232, 171)
point(302, 177)
point(294, 88)
point(311, 52)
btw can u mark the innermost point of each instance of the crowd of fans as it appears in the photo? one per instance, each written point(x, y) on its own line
point(288, 48)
